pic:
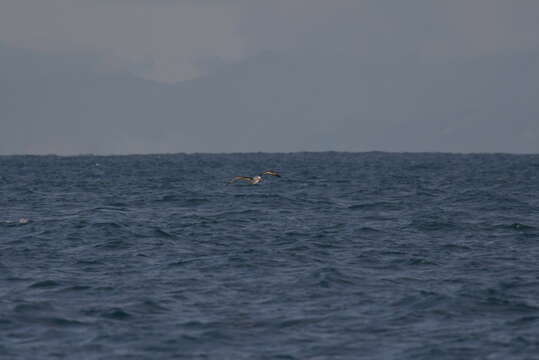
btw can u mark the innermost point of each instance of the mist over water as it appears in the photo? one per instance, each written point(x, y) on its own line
point(346, 256)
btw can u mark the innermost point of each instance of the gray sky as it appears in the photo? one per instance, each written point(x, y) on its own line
point(124, 76)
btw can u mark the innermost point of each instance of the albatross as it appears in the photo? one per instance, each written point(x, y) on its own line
point(255, 179)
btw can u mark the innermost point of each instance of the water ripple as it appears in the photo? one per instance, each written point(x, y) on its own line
point(348, 255)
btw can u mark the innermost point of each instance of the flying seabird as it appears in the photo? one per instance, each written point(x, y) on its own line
point(255, 179)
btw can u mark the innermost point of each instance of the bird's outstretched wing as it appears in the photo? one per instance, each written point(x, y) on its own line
point(271, 172)
point(236, 178)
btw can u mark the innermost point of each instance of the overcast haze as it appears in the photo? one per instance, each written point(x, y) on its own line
point(136, 76)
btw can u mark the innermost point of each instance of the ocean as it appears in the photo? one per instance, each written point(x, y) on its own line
point(346, 256)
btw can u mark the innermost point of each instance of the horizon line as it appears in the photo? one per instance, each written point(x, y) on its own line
point(267, 152)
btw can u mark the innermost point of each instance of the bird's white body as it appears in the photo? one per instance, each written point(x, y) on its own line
point(257, 179)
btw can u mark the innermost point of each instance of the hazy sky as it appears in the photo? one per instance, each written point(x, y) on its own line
point(189, 44)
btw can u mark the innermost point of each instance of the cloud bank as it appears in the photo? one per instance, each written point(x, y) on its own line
point(136, 76)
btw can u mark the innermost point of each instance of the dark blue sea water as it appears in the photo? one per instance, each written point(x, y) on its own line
point(346, 256)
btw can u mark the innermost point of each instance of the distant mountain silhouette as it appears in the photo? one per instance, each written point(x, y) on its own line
point(302, 99)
